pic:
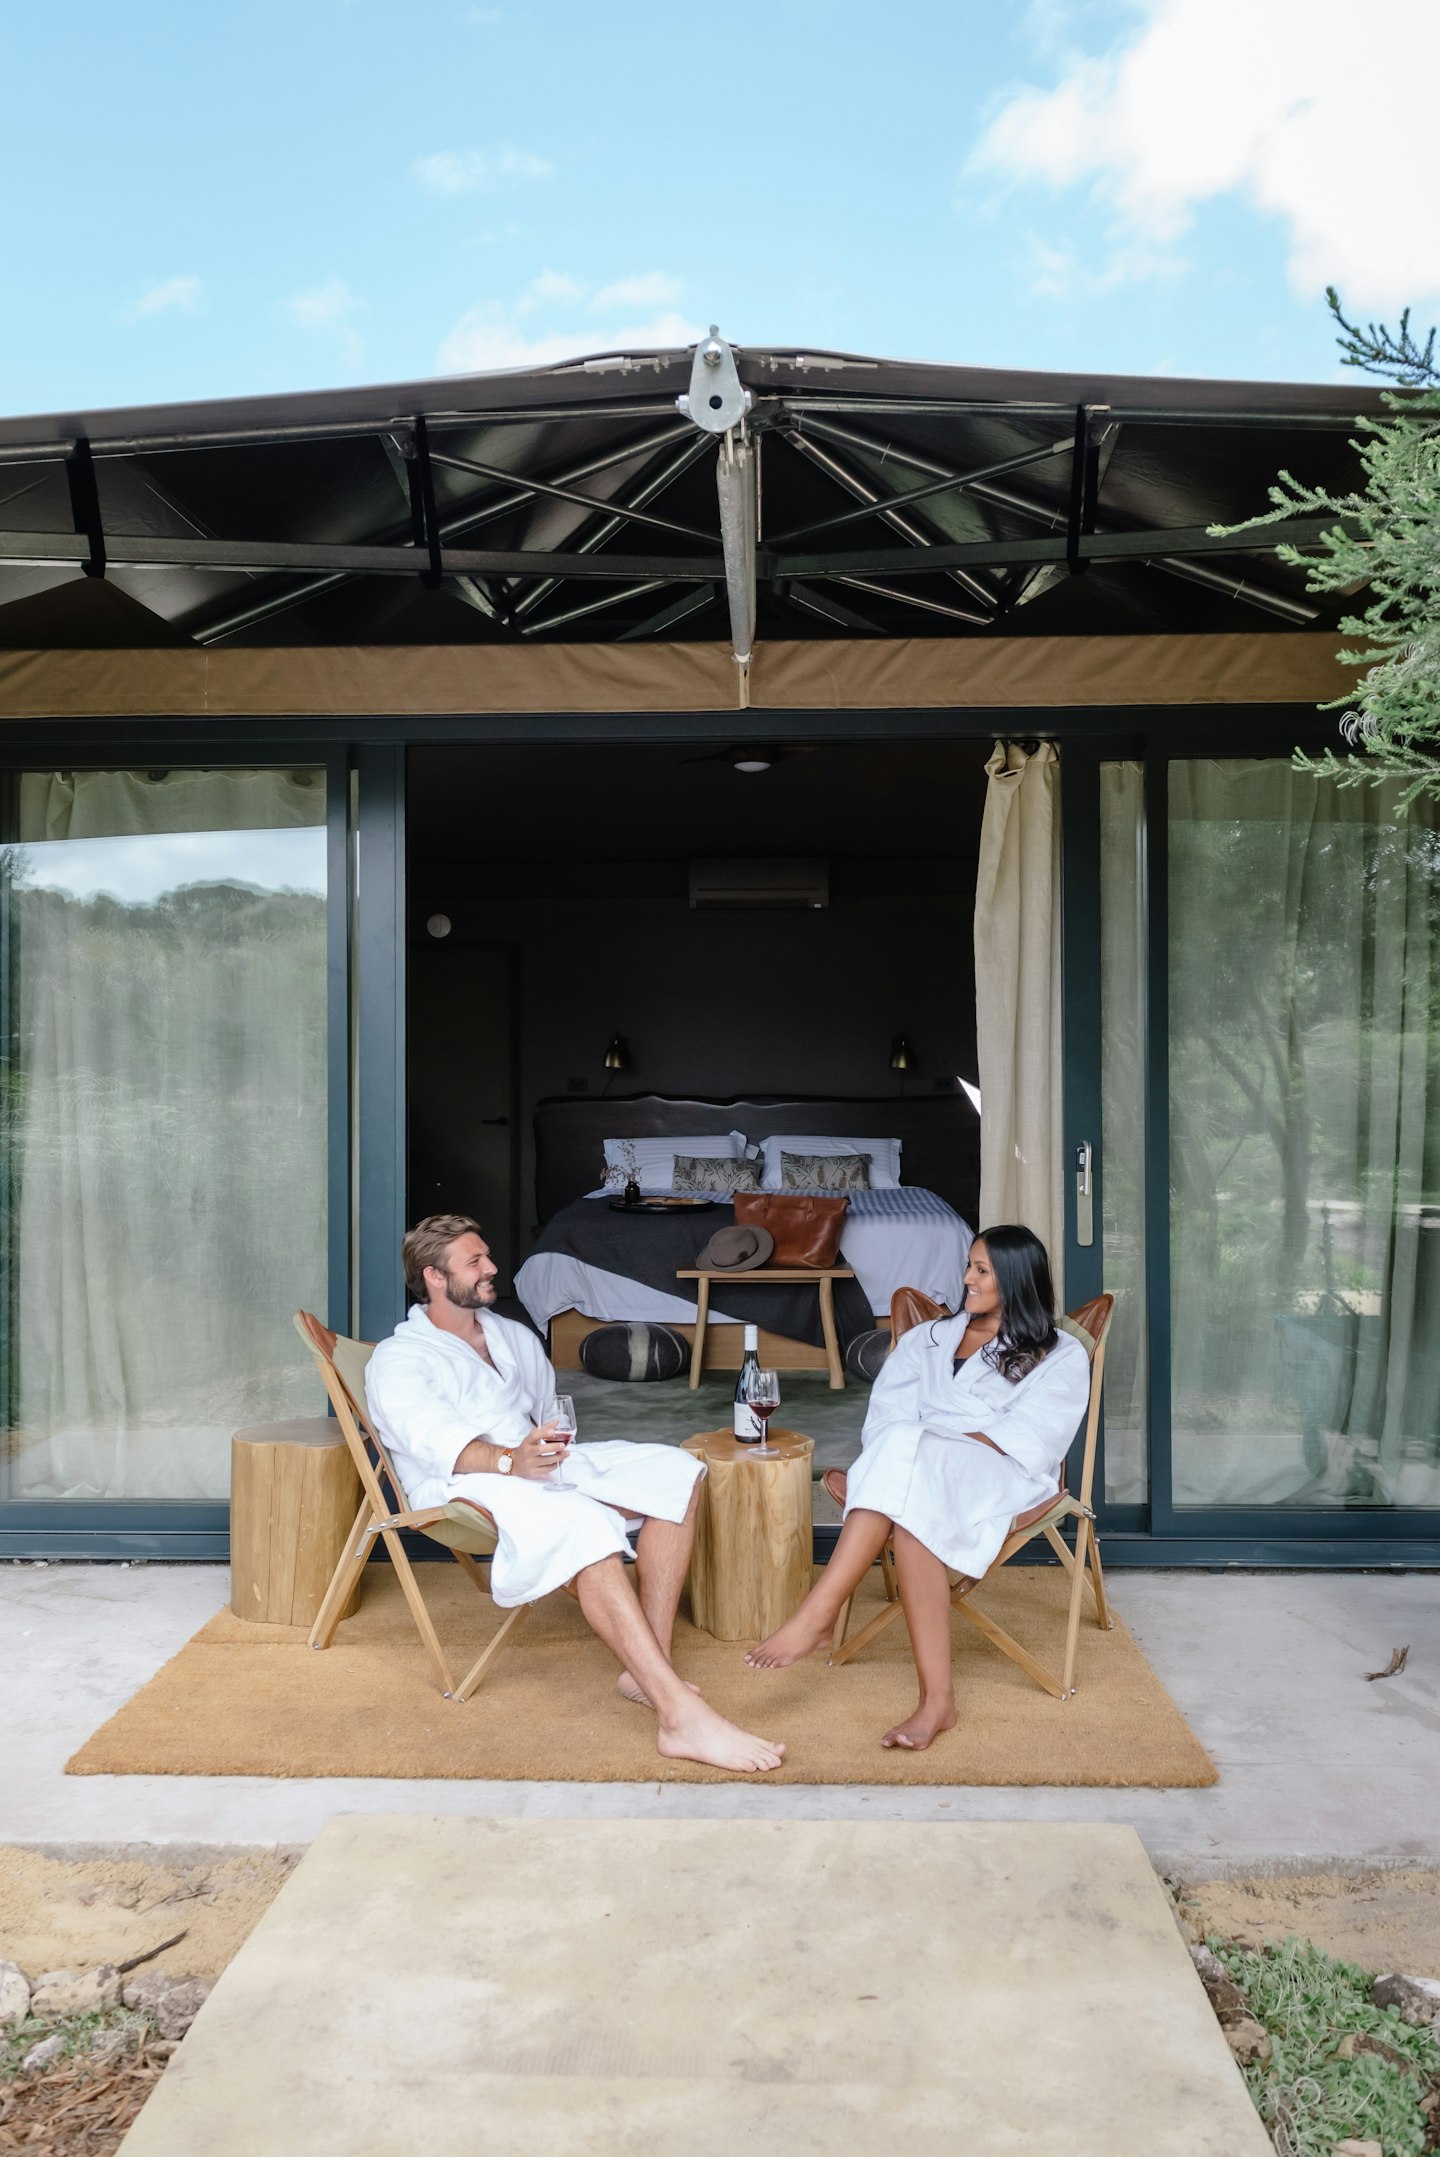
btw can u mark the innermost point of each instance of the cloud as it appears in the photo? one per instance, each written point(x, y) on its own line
point(1316, 122)
point(329, 307)
point(653, 289)
point(510, 334)
point(484, 172)
point(176, 296)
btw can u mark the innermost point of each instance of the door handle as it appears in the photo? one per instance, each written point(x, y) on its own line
point(1084, 1192)
point(494, 1119)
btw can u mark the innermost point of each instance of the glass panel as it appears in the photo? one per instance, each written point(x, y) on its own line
point(1305, 1140)
point(1122, 1122)
point(163, 1124)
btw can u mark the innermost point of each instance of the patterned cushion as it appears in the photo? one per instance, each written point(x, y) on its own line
point(712, 1179)
point(866, 1353)
point(631, 1350)
point(824, 1171)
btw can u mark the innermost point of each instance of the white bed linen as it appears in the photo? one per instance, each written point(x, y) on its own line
point(905, 1238)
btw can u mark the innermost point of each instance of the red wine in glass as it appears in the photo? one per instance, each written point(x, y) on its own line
point(762, 1398)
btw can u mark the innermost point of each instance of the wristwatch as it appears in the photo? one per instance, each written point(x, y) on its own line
point(506, 1461)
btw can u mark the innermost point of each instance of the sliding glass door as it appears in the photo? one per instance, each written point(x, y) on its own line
point(1253, 1030)
point(1304, 1141)
point(163, 1127)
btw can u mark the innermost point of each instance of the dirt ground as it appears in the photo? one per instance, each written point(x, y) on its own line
point(1382, 1920)
point(71, 1913)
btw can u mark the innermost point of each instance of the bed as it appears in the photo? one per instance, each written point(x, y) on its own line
point(591, 1265)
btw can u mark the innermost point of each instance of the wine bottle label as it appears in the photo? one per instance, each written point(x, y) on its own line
point(747, 1425)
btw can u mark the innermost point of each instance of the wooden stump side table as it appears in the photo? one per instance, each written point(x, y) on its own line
point(293, 1494)
point(754, 1543)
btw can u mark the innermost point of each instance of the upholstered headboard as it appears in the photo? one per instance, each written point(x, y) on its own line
point(939, 1135)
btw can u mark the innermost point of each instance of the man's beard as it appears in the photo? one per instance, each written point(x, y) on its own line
point(468, 1299)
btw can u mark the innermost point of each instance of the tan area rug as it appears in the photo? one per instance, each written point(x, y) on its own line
point(245, 1699)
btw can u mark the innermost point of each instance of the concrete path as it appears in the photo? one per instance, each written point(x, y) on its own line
point(1317, 1768)
point(443, 1985)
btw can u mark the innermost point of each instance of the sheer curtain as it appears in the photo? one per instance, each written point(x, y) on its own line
point(1017, 996)
point(1305, 1139)
point(164, 1123)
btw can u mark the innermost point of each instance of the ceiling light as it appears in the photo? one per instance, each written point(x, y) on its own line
point(752, 759)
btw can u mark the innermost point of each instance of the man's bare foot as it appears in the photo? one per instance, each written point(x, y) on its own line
point(798, 1636)
point(698, 1733)
point(627, 1688)
point(915, 1733)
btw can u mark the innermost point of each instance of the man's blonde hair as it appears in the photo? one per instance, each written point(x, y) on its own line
point(428, 1244)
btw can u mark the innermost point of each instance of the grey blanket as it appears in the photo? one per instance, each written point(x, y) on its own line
point(649, 1247)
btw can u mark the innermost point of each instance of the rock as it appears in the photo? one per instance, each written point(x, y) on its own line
point(1221, 1989)
point(48, 2049)
point(14, 1994)
point(1367, 2148)
point(75, 1992)
point(107, 2044)
point(1417, 1998)
point(1247, 2041)
point(172, 2002)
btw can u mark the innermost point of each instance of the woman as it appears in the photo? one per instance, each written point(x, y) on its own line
point(968, 1424)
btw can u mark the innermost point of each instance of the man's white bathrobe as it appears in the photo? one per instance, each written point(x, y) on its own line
point(429, 1395)
point(919, 1468)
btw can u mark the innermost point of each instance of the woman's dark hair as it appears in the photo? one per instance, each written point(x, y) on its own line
point(1028, 1332)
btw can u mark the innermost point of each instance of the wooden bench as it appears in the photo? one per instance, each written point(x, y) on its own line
point(824, 1278)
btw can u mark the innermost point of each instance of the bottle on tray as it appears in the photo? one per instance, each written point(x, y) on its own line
point(748, 1427)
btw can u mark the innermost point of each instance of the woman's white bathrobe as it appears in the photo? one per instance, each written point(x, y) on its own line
point(919, 1467)
point(429, 1395)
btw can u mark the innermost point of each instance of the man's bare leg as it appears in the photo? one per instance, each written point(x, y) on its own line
point(689, 1729)
point(862, 1539)
point(662, 1560)
point(925, 1598)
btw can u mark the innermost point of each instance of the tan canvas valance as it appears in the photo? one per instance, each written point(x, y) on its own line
point(963, 673)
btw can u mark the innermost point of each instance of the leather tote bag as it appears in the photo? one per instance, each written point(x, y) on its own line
point(807, 1230)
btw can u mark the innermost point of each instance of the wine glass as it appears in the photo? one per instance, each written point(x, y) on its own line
point(762, 1398)
point(561, 1413)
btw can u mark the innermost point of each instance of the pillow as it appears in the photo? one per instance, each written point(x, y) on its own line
point(709, 1178)
point(884, 1156)
point(824, 1171)
point(634, 1351)
point(651, 1161)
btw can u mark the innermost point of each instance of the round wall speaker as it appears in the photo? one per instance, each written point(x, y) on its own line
point(632, 1351)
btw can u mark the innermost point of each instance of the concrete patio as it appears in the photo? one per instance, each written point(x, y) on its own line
point(1318, 1769)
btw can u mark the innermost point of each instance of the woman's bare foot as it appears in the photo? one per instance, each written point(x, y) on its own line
point(916, 1732)
point(698, 1733)
point(797, 1637)
point(627, 1688)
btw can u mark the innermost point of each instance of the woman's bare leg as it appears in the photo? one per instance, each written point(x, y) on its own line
point(689, 1730)
point(925, 1599)
point(862, 1539)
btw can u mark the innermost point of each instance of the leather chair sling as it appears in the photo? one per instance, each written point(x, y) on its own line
point(466, 1531)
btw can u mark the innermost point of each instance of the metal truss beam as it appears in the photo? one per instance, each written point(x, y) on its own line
point(922, 494)
point(552, 492)
point(855, 483)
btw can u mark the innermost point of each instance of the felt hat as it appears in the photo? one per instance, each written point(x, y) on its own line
point(737, 1250)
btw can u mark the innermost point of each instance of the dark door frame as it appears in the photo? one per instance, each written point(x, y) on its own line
point(366, 807)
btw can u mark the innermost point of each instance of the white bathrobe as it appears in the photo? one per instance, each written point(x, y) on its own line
point(429, 1395)
point(919, 1467)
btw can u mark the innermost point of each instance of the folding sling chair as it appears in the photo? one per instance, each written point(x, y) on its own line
point(467, 1532)
point(1090, 1324)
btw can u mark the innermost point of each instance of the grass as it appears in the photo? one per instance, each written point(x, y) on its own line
point(1339, 2067)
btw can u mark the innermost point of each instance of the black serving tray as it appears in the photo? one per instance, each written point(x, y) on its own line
point(663, 1205)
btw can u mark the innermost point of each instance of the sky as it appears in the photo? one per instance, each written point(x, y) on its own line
point(248, 196)
point(138, 870)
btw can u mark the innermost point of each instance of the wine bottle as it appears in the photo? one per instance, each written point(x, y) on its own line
point(748, 1428)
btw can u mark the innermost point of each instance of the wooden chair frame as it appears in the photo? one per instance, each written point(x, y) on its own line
point(466, 1530)
point(1083, 1564)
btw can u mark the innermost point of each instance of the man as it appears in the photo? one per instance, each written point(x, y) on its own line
point(460, 1400)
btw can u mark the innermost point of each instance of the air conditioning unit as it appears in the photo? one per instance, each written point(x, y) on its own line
point(782, 885)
